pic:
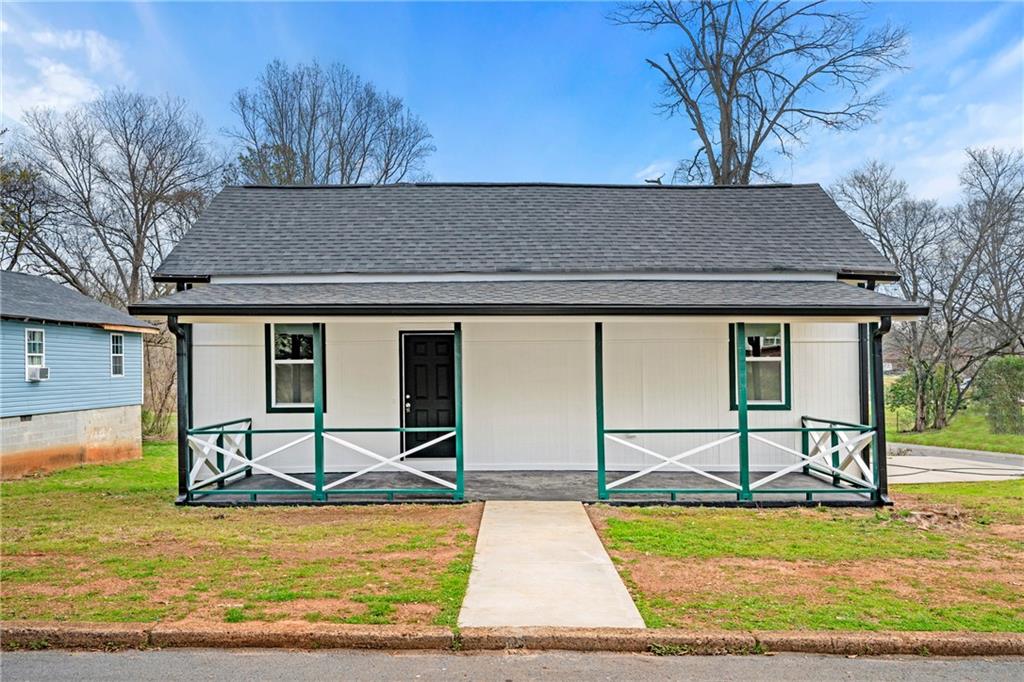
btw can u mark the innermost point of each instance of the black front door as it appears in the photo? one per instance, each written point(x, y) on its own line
point(428, 390)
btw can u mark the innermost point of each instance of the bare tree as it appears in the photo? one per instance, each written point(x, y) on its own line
point(128, 173)
point(27, 206)
point(316, 125)
point(98, 196)
point(753, 77)
point(965, 262)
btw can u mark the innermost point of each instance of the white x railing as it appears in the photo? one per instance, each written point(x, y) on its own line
point(673, 460)
point(393, 461)
point(204, 448)
point(818, 459)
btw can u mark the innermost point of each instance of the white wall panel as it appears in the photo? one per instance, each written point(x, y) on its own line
point(529, 389)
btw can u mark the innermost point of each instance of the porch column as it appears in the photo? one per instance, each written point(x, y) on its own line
point(602, 489)
point(460, 483)
point(741, 411)
point(880, 470)
point(318, 411)
point(184, 410)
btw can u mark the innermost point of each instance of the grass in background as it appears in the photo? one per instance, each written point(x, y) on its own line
point(106, 543)
point(969, 430)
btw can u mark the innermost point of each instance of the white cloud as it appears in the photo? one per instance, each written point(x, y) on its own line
point(1012, 58)
point(975, 33)
point(52, 85)
point(656, 169)
point(43, 67)
point(101, 53)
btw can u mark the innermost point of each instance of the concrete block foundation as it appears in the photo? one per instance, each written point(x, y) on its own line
point(41, 443)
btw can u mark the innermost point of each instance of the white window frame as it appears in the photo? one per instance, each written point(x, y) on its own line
point(116, 355)
point(42, 355)
point(274, 362)
point(782, 367)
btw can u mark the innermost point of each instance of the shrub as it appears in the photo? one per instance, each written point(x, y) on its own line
point(1000, 389)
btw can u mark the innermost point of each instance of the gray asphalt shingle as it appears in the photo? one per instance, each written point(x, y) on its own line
point(38, 298)
point(487, 228)
point(615, 296)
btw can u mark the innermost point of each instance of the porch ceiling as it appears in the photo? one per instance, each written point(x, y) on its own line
point(533, 297)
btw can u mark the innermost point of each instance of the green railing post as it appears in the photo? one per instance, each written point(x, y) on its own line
point(220, 459)
point(805, 443)
point(318, 412)
point(834, 444)
point(741, 410)
point(248, 448)
point(602, 490)
point(460, 483)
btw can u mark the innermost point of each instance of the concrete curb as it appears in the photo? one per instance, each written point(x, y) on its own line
point(74, 635)
point(302, 635)
point(607, 639)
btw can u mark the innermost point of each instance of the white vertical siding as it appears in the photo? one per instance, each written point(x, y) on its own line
point(529, 388)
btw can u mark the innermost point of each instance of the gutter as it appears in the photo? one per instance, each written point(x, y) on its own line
point(517, 309)
point(878, 406)
point(181, 337)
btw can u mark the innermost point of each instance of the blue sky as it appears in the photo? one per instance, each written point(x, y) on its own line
point(518, 91)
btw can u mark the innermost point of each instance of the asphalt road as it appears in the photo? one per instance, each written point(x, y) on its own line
point(201, 664)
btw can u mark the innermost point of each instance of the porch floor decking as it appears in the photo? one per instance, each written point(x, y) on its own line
point(531, 485)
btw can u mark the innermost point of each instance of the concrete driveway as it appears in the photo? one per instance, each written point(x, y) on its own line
point(927, 464)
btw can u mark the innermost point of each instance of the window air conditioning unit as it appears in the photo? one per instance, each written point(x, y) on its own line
point(38, 373)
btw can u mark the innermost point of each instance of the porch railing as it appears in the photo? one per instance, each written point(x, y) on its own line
point(831, 450)
point(225, 452)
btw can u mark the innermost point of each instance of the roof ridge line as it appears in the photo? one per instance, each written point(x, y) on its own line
point(580, 185)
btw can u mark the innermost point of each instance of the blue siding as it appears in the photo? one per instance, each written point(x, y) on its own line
point(79, 362)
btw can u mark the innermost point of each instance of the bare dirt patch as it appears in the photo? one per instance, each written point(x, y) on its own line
point(371, 564)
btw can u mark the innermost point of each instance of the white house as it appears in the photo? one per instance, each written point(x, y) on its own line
point(481, 340)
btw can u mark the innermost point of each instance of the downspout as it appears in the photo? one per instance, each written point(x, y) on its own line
point(878, 407)
point(863, 365)
point(181, 348)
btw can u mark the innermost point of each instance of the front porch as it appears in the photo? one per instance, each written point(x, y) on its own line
point(481, 486)
point(764, 456)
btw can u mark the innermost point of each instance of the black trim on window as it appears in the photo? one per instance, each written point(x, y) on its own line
point(268, 350)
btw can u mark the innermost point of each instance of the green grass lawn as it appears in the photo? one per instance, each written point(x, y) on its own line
point(106, 543)
point(946, 557)
point(969, 430)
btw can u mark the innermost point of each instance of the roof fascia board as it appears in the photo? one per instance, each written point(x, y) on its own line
point(526, 319)
point(520, 310)
point(76, 323)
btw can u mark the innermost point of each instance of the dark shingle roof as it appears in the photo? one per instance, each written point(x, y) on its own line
point(530, 296)
point(487, 228)
point(38, 298)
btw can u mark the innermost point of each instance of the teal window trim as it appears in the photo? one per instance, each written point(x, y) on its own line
point(787, 375)
point(268, 355)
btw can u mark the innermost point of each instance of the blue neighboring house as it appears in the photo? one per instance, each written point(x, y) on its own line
point(70, 378)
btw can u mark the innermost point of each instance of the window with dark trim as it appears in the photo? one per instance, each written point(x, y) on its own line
point(768, 366)
point(289, 360)
point(117, 355)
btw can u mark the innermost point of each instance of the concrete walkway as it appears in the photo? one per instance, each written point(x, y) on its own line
point(541, 563)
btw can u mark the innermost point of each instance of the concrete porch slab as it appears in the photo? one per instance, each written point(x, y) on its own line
point(542, 564)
